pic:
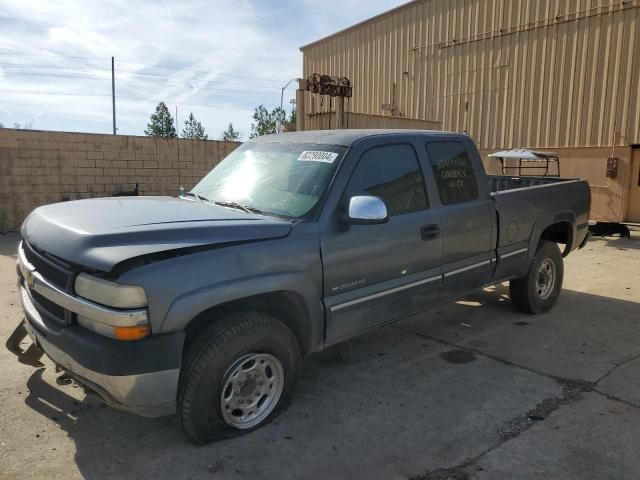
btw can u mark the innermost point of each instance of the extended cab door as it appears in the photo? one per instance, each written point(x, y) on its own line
point(468, 214)
point(378, 273)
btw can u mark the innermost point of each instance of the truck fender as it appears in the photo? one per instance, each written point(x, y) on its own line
point(189, 305)
point(545, 222)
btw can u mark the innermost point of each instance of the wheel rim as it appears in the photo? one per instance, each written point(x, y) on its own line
point(252, 386)
point(546, 279)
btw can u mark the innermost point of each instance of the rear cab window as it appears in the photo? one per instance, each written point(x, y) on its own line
point(453, 172)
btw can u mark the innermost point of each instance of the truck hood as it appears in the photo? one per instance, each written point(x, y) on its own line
point(102, 232)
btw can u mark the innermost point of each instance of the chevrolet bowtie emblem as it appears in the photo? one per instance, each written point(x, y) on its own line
point(29, 279)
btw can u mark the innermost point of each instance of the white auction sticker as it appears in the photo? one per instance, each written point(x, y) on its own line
point(317, 156)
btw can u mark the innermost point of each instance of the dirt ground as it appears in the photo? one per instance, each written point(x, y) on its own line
point(472, 390)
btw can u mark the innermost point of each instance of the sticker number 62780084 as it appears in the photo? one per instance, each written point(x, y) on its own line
point(317, 156)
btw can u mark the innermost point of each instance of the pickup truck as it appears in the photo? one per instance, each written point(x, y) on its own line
point(203, 305)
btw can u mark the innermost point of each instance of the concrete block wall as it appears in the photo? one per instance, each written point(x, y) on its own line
point(40, 167)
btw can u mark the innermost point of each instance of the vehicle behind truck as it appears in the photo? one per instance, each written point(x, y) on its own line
point(204, 305)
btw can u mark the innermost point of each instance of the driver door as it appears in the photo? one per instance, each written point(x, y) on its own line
point(378, 273)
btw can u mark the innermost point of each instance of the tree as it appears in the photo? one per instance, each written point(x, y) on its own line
point(290, 124)
point(231, 134)
point(23, 126)
point(193, 129)
point(161, 123)
point(1, 125)
point(266, 122)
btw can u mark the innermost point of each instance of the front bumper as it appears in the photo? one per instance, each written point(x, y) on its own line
point(140, 377)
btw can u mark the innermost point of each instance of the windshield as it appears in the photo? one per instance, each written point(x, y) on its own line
point(284, 179)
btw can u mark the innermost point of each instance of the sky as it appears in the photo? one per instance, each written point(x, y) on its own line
point(218, 59)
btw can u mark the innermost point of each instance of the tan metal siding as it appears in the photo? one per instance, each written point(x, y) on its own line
point(537, 73)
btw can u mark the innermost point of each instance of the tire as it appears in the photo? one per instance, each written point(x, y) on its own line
point(218, 374)
point(538, 291)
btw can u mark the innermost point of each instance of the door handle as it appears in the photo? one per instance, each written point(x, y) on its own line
point(429, 232)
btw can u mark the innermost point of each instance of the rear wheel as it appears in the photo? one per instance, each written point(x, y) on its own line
point(538, 291)
point(237, 377)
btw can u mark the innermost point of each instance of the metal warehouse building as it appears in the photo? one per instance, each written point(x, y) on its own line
point(561, 75)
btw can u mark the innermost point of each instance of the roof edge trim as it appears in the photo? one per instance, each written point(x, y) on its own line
point(356, 25)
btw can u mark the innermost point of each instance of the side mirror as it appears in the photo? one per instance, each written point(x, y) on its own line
point(367, 210)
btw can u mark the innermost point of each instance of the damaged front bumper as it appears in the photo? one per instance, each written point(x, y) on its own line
point(140, 377)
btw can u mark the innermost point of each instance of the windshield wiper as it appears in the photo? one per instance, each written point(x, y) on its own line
point(236, 205)
point(200, 198)
point(239, 206)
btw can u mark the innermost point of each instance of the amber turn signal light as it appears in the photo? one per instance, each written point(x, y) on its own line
point(132, 333)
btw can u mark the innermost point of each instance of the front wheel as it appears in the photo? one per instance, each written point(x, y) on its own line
point(239, 374)
point(540, 288)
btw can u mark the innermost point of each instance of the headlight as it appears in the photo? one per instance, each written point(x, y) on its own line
point(109, 293)
point(113, 295)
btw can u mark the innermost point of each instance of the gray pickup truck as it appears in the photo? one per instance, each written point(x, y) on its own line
point(204, 305)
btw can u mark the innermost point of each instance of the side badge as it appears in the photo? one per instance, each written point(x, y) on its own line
point(349, 285)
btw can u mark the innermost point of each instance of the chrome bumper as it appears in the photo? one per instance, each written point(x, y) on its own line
point(148, 394)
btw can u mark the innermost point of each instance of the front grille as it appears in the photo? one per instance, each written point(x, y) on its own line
point(49, 270)
point(55, 274)
point(49, 307)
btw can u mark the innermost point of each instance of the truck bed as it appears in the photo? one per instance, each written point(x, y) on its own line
point(500, 183)
point(525, 205)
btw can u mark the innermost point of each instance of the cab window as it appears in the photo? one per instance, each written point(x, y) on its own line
point(453, 171)
point(392, 173)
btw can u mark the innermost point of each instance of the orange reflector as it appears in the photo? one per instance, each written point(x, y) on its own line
point(132, 333)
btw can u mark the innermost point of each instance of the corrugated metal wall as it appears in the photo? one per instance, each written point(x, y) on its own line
point(327, 121)
point(537, 73)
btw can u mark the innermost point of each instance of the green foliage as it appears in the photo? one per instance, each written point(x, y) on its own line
point(266, 122)
point(161, 123)
point(289, 124)
point(231, 134)
point(193, 129)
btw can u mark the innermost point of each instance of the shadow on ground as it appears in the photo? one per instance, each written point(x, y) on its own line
point(9, 244)
point(391, 404)
point(632, 243)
